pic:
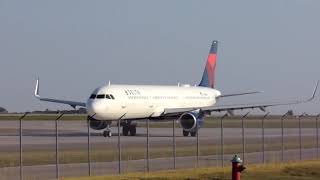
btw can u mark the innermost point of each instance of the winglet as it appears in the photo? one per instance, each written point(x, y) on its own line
point(36, 91)
point(314, 92)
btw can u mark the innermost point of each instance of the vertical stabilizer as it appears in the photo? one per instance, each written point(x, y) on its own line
point(208, 77)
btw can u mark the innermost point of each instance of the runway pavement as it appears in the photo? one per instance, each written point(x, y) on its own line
point(75, 132)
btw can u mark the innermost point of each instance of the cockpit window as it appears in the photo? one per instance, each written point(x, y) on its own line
point(111, 96)
point(100, 96)
point(92, 96)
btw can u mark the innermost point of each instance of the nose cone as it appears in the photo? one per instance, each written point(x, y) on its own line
point(96, 107)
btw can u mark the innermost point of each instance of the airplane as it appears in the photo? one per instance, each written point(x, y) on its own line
point(185, 103)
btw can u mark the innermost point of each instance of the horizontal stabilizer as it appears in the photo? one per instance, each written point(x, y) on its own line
point(239, 94)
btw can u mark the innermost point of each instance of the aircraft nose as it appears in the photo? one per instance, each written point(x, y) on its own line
point(96, 107)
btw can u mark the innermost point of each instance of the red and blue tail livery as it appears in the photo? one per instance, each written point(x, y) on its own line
point(208, 77)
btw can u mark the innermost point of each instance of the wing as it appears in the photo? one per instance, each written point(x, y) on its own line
point(231, 108)
point(73, 104)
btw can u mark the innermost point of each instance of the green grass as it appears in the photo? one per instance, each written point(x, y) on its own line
point(305, 170)
point(236, 123)
point(66, 156)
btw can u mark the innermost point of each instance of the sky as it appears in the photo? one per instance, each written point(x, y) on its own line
point(75, 46)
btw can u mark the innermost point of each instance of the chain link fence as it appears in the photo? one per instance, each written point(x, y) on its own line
point(52, 147)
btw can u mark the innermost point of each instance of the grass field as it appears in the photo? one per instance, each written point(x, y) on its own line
point(66, 156)
point(305, 170)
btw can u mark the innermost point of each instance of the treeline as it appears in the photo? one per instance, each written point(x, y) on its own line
point(47, 111)
point(3, 110)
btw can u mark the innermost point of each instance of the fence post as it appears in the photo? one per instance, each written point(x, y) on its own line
point(148, 145)
point(174, 143)
point(89, 147)
point(300, 137)
point(119, 148)
point(243, 137)
point(57, 145)
point(20, 143)
point(198, 150)
point(317, 133)
point(263, 139)
point(282, 135)
point(222, 139)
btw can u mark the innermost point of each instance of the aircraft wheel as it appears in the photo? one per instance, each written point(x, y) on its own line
point(133, 130)
point(193, 134)
point(107, 134)
point(125, 130)
point(185, 133)
point(104, 134)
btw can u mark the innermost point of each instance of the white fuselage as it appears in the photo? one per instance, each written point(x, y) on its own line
point(141, 101)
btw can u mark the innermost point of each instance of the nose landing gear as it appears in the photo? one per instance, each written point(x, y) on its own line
point(128, 128)
point(107, 132)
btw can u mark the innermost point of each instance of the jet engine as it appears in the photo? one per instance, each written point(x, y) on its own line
point(189, 121)
point(98, 124)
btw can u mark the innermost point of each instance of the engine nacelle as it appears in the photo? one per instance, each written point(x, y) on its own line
point(98, 124)
point(189, 121)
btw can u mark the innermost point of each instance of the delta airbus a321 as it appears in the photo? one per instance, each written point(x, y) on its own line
point(188, 104)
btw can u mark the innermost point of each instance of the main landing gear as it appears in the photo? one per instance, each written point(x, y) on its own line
point(186, 133)
point(129, 128)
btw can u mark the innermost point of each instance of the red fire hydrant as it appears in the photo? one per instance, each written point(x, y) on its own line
point(237, 167)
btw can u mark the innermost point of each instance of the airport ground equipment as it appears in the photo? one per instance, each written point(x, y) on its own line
point(237, 167)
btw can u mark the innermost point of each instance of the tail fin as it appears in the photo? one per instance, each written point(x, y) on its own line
point(208, 77)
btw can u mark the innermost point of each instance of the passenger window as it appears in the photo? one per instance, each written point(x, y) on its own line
point(92, 96)
point(111, 96)
point(100, 96)
point(108, 97)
